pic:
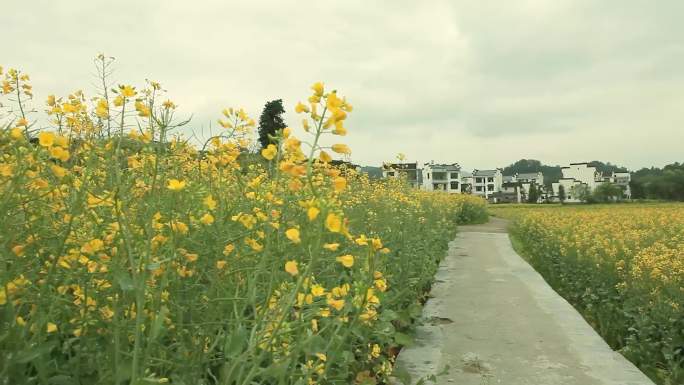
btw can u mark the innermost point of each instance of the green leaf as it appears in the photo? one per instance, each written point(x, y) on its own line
point(235, 342)
point(61, 379)
point(403, 339)
point(34, 354)
point(125, 281)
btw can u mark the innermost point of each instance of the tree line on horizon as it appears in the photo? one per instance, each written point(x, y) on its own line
point(665, 183)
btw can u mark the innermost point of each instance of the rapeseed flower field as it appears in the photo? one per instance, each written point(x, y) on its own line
point(622, 267)
point(130, 256)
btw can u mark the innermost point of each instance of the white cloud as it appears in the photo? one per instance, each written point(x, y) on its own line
point(479, 83)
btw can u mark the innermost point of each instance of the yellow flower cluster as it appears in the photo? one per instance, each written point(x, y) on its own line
point(614, 262)
point(127, 250)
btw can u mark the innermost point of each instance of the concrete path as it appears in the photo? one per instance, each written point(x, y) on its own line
point(494, 320)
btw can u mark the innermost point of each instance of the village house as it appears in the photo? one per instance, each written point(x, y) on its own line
point(516, 188)
point(409, 171)
point(486, 183)
point(621, 179)
point(581, 178)
point(442, 177)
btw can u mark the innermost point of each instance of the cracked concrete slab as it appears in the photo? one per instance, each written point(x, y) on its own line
point(494, 320)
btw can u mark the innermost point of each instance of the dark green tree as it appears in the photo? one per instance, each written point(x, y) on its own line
point(271, 121)
point(561, 194)
point(533, 194)
point(581, 192)
point(656, 183)
point(607, 192)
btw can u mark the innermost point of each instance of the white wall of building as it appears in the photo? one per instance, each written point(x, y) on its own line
point(485, 183)
point(442, 177)
point(581, 172)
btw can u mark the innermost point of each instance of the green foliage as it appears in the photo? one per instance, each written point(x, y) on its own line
point(533, 194)
point(607, 192)
point(655, 183)
point(551, 173)
point(561, 193)
point(606, 168)
point(582, 193)
point(270, 122)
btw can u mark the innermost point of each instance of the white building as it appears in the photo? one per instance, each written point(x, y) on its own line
point(581, 178)
point(402, 170)
point(577, 179)
point(571, 189)
point(583, 173)
point(621, 179)
point(516, 188)
point(442, 177)
point(486, 182)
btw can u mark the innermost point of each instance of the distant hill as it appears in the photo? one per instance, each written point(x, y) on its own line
point(373, 172)
point(553, 173)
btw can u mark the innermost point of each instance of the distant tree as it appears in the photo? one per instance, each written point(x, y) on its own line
point(271, 121)
point(533, 194)
point(582, 193)
point(606, 168)
point(656, 183)
point(551, 173)
point(607, 192)
point(637, 187)
point(561, 194)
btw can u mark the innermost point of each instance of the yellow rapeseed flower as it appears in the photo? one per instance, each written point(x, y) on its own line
point(175, 185)
point(16, 133)
point(317, 290)
point(333, 223)
point(339, 183)
point(228, 249)
point(324, 157)
point(59, 172)
point(209, 202)
point(346, 260)
point(318, 89)
point(18, 250)
point(293, 235)
point(51, 328)
point(269, 152)
point(59, 153)
point(6, 170)
point(312, 213)
point(300, 107)
point(46, 139)
point(207, 219)
point(127, 91)
point(341, 149)
point(336, 304)
point(179, 227)
point(291, 268)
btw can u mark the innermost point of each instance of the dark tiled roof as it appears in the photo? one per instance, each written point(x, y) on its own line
point(484, 172)
point(402, 166)
point(528, 175)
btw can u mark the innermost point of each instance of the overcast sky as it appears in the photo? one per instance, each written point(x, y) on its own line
point(481, 83)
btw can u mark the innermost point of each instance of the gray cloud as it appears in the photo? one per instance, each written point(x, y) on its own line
point(480, 83)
